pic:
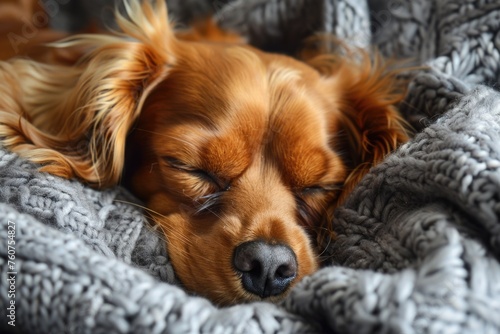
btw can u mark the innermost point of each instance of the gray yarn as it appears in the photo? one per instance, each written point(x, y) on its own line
point(281, 25)
point(418, 247)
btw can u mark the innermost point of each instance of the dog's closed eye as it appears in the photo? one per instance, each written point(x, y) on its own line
point(218, 182)
point(213, 186)
point(312, 202)
point(320, 189)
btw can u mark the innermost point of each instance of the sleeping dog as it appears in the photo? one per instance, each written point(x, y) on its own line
point(241, 156)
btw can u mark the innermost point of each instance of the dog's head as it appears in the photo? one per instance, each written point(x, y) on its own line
point(241, 155)
point(234, 152)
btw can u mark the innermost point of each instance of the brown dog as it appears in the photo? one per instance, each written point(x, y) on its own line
point(240, 155)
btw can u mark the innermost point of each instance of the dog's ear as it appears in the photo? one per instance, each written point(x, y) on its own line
point(74, 120)
point(365, 124)
point(362, 95)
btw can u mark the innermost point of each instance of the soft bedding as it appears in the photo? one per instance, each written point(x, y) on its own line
point(418, 241)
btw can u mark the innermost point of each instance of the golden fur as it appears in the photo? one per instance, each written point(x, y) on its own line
point(224, 143)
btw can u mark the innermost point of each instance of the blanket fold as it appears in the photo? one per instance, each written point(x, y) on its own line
point(418, 241)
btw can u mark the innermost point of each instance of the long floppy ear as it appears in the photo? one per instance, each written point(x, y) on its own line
point(74, 120)
point(362, 95)
point(366, 124)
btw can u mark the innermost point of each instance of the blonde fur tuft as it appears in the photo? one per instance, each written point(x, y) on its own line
point(74, 120)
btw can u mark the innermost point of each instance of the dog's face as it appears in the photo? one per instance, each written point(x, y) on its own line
point(238, 156)
point(238, 165)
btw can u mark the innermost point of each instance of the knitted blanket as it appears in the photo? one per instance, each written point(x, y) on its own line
point(418, 247)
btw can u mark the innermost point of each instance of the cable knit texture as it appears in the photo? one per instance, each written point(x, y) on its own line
point(418, 245)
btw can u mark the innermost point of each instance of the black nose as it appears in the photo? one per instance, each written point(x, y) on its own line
point(266, 270)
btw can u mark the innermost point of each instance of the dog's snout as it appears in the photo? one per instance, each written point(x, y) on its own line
point(266, 269)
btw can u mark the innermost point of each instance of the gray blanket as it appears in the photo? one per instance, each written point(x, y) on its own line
point(418, 245)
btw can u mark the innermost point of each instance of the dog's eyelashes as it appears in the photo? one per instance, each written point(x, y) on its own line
point(312, 190)
point(177, 164)
point(208, 203)
point(220, 184)
point(320, 189)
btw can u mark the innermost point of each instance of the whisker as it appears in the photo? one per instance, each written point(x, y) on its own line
point(139, 206)
point(157, 224)
point(325, 249)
